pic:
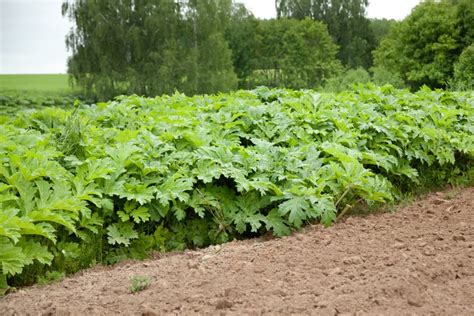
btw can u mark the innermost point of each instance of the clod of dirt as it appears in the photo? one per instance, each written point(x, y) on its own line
point(459, 238)
point(429, 251)
point(149, 312)
point(352, 260)
point(439, 201)
point(223, 304)
point(415, 301)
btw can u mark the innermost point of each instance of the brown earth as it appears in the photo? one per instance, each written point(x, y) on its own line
point(416, 261)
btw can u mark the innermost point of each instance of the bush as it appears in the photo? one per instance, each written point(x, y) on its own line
point(347, 79)
point(464, 70)
point(382, 76)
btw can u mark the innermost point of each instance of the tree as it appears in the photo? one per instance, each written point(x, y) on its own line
point(346, 23)
point(294, 54)
point(464, 70)
point(242, 38)
point(379, 29)
point(212, 59)
point(422, 49)
point(347, 79)
point(149, 47)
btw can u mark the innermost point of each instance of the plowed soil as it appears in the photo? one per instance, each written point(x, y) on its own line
point(418, 260)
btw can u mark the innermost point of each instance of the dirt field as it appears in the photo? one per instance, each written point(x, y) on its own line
point(416, 261)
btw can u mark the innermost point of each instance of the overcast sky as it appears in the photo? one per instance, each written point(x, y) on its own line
point(32, 31)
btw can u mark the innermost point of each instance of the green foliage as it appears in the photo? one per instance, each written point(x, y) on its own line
point(12, 101)
point(347, 79)
point(379, 29)
point(294, 54)
point(139, 283)
point(346, 23)
point(50, 277)
point(382, 76)
point(242, 37)
point(422, 49)
point(464, 70)
point(35, 83)
point(177, 172)
point(149, 47)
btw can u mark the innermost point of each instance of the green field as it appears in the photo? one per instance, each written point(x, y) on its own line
point(46, 83)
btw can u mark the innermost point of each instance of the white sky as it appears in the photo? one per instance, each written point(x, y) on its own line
point(32, 32)
point(389, 9)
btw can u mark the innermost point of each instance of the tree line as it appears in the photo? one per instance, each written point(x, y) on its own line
point(153, 47)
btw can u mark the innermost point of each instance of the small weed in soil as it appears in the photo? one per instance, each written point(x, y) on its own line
point(449, 195)
point(139, 283)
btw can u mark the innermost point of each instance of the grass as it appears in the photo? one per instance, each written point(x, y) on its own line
point(50, 277)
point(41, 83)
point(139, 283)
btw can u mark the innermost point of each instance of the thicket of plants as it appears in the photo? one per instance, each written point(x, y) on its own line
point(104, 182)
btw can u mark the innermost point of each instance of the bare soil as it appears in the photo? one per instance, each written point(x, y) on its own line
point(418, 260)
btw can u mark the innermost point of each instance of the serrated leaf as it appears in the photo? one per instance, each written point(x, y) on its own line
point(295, 207)
point(124, 217)
point(174, 188)
point(121, 234)
point(12, 258)
point(179, 212)
point(327, 210)
point(275, 222)
point(35, 251)
point(70, 250)
point(140, 214)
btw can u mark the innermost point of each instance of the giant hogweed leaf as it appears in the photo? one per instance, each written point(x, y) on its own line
point(140, 214)
point(404, 169)
point(92, 223)
point(41, 229)
point(34, 165)
point(250, 207)
point(86, 191)
point(58, 199)
point(207, 170)
point(12, 258)
point(201, 200)
point(385, 161)
point(137, 213)
point(174, 188)
point(327, 210)
point(26, 191)
point(10, 225)
point(113, 186)
point(295, 207)
point(13, 227)
point(275, 222)
point(217, 154)
point(35, 251)
point(248, 217)
point(342, 153)
point(141, 193)
point(121, 234)
point(376, 189)
point(6, 197)
point(96, 169)
point(178, 210)
point(4, 186)
point(121, 155)
point(60, 218)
